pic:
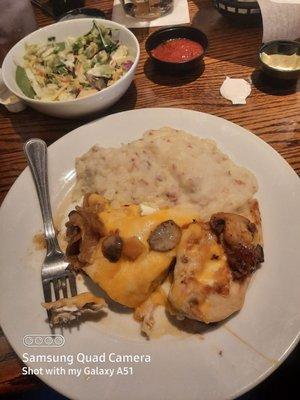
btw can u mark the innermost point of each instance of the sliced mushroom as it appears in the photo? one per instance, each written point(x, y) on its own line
point(165, 236)
point(239, 237)
point(84, 230)
point(112, 247)
point(235, 228)
point(74, 238)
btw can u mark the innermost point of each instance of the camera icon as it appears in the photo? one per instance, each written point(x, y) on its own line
point(35, 340)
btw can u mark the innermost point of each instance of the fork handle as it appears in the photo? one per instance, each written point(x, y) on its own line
point(36, 154)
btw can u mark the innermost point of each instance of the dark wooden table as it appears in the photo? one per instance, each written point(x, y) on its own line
point(271, 112)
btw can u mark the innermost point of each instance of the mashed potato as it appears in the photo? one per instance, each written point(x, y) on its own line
point(166, 167)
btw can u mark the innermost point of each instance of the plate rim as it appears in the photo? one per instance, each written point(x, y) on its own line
point(254, 138)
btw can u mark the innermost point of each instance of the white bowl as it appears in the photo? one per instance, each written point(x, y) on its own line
point(77, 107)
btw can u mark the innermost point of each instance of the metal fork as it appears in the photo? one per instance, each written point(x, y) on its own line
point(55, 270)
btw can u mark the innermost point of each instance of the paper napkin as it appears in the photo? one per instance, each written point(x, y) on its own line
point(281, 19)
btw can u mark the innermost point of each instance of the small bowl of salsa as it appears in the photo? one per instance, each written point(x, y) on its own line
point(177, 49)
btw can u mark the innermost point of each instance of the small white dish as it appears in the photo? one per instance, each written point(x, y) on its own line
point(224, 361)
point(78, 107)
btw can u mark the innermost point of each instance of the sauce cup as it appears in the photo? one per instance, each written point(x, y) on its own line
point(285, 47)
point(176, 32)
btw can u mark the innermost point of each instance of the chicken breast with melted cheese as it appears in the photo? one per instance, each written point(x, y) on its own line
point(131, 276)
point(214, 263)
point(129, 254)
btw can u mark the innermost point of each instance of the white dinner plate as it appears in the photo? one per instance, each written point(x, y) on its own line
point(221, 363)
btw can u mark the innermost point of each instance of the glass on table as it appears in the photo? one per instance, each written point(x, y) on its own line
point(16, 21)
point(147, 9)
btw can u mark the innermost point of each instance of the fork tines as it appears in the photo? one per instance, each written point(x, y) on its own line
point(53, 287)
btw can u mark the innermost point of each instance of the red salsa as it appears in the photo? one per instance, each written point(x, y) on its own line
point(177, 50)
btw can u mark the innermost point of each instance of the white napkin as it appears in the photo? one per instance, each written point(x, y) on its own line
point(281, 19)
point(179, 15)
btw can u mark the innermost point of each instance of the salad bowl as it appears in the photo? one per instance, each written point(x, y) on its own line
point(62, 31)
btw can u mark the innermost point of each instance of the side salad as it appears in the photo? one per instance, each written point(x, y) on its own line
point(78, 67)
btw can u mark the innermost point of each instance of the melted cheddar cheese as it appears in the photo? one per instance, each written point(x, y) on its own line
point(131, 282)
